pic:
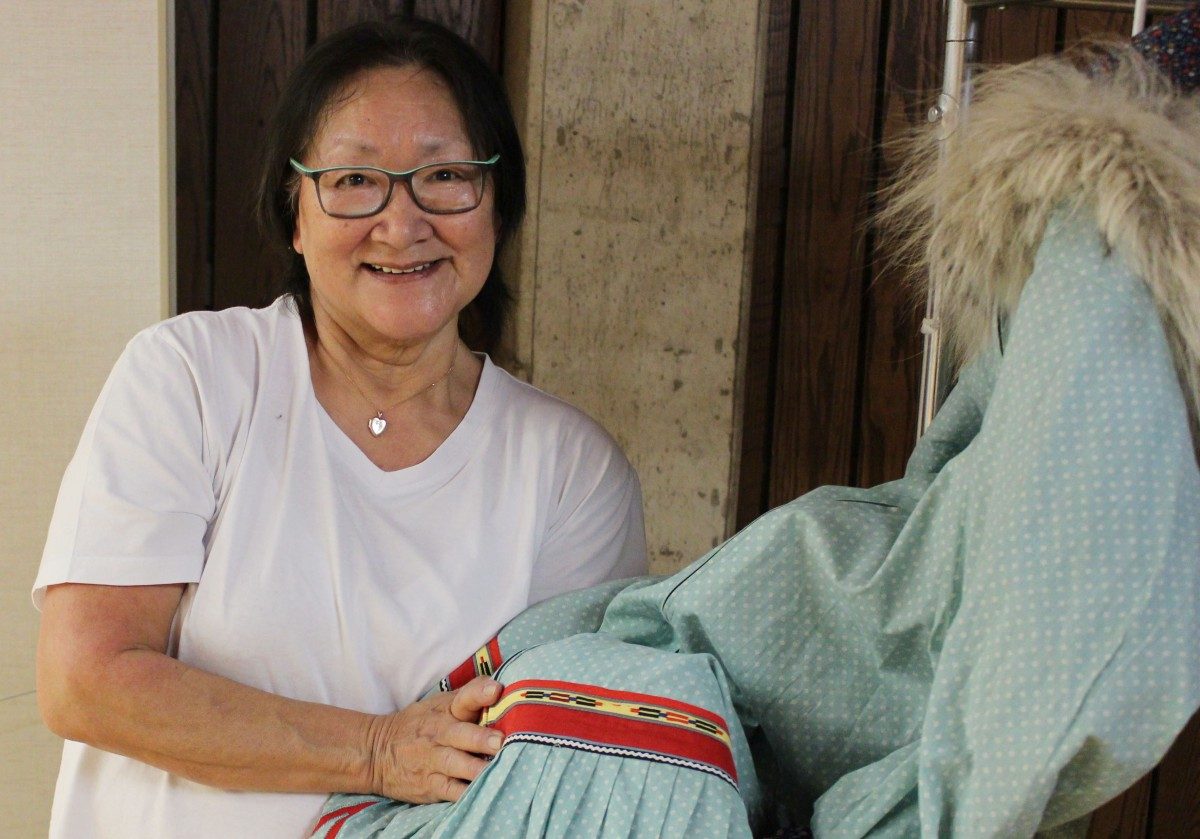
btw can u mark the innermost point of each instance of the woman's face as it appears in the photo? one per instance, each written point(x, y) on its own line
point(395, 118)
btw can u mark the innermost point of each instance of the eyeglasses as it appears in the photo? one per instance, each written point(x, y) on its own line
point(455, 186)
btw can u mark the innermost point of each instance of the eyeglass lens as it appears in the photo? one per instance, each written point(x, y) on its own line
point(439, 188)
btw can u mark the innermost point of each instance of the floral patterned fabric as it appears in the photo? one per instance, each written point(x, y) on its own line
point(1174, 45)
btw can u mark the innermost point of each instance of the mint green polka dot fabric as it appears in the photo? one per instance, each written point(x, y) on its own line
point(532, 790)
point(994, 645)
point(1009, 636)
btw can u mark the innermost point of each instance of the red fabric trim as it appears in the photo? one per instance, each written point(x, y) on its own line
point(493, 648)
point(467, 671)
point(621, 731)
point(618, 695)
point(343, 813)
point(462, 674)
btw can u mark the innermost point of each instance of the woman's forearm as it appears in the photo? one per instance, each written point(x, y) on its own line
point(104, 679)
point(114, 689)
point(212, 730)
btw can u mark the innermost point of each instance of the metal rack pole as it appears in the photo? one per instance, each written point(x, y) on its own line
point(1152, 6)
point(962, 41)
point(1139, 15)
point(963, 19)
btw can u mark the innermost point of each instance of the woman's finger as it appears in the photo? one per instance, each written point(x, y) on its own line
point(469, 701)
point(448, 789)
point(457, 764)
point(471, 738)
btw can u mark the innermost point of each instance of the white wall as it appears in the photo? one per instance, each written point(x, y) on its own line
point(84, 263)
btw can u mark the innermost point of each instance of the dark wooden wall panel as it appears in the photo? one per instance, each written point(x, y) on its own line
point(758, 386)
point(891, 351)
point(1075, 25)
point(820, 313)
point(258, 43)
point(1125, 817)
point(1175, 813)
point(481, 22)
point(195, 37)
point(333, 15)
point(1017, 33)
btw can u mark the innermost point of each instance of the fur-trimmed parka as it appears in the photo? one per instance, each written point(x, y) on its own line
point(1099, 130)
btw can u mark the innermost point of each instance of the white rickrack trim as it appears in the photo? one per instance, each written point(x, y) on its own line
point(618, 751)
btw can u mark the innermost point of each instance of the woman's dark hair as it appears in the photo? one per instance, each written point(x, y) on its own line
point(316, 85)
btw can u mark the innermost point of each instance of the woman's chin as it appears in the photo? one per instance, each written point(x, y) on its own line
point(411, 328)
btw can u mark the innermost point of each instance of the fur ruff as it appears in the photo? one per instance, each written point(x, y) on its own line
point(1097, 130)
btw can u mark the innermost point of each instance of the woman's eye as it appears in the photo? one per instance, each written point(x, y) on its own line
point(351, 180)
point(445, 175)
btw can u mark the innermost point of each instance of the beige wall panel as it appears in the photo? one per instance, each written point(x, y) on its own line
point(26, 782)
point(83, 265)
point(640, 129)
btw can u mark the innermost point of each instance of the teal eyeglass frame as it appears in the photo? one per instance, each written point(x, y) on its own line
point(405, 177)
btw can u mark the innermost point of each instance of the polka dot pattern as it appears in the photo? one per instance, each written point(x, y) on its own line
point(535, 790)
point(1007, 637)
point(993, 645)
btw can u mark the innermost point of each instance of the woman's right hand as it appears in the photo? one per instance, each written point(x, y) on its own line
point(433, 748)
point(104, 678)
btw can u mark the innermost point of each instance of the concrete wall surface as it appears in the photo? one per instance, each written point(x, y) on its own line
point(638, 120)
point(84, 262)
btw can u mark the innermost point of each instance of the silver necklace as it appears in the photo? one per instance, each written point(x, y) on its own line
point(378, 424)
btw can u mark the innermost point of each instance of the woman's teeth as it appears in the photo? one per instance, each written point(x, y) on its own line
point(412, 270)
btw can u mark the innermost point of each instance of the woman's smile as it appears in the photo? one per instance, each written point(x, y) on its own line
point(412, 269)
point(395, 280)
point(410, 272)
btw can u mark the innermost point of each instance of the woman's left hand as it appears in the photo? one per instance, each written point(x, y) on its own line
point(433, 748)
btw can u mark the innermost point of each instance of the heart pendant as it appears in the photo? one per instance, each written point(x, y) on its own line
point(377, 425)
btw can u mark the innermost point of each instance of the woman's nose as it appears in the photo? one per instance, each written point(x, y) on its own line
point(402, 221)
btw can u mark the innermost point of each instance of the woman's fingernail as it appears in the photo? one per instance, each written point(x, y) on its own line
point(495, 741)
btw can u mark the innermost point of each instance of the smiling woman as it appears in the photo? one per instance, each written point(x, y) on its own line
point(386, 288)
point(282, 525)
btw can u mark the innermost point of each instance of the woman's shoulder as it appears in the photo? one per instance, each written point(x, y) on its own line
point(235, 325)
point(526, 407)
point(220, 339)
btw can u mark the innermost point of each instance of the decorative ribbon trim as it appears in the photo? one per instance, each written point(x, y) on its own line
point(485, 662)
point(595, 719)
point(336, 819)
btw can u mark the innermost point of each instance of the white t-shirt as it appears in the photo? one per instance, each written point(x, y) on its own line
point(313, 574)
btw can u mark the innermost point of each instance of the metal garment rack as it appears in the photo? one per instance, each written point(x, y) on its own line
point(964, 20)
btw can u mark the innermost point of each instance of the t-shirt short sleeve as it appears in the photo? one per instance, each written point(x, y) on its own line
point(598, 532)
point(137, 496)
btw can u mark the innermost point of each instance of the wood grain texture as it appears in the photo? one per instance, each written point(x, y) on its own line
point(1017, 33)
point(1126, 816)
point(1076, 25)
point(891, 366)
point(333, 15)
point(758, 382)
point(1175, 811)
point(479, 21)
point(823, 275)
point(258, 43)
point(194, 39)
